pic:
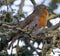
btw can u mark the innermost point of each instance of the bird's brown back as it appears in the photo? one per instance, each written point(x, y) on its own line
point(39, 14)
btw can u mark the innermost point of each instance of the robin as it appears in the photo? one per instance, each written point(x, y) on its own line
point(38, 18)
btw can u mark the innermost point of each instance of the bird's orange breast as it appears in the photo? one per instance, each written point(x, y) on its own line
point(42, 21)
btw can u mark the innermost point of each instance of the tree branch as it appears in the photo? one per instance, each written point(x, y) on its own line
point(21, 7)
point(34, 3)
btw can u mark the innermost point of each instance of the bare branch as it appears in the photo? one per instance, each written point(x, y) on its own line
point(55, 27)
point(21, 7)
point(34, 3)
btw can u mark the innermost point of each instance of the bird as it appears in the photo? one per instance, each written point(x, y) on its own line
point(37, 19)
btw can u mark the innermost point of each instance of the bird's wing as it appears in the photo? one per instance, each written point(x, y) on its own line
point(27, 20)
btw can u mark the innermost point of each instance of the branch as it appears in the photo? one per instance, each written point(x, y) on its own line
point(13, 40)
point(20, 34)
point(34, 3)
point(21, 7)
point(55, 27)
point(53, 15)
point(29, 44)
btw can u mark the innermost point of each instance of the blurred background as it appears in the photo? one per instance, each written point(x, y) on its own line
point(14, 11)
